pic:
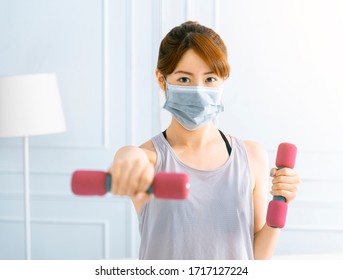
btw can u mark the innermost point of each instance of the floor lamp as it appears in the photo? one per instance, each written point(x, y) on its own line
point(29, 105)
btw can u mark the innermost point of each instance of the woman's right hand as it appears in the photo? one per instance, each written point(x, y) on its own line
point(132, 173)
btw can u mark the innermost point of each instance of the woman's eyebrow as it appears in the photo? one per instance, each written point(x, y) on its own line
point(183, 72)
point(191, 74)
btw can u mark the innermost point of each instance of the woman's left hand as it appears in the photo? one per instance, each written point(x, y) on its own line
point(285, 182)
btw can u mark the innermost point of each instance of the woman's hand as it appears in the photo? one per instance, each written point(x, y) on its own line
point(285, 182)
point(132, 173)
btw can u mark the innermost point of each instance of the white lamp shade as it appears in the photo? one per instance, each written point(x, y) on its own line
point(30, 105)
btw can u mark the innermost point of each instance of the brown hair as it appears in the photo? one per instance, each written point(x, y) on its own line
point(203, 40)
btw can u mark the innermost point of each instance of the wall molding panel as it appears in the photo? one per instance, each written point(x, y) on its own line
point(97, 225)
point(106, 76)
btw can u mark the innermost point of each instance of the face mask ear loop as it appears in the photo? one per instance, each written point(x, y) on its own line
point(165, 86)
point(164, 80)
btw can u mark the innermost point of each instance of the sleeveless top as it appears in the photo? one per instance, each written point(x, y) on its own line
point(216, 221)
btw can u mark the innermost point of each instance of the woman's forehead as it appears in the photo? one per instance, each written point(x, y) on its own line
point(191, 62)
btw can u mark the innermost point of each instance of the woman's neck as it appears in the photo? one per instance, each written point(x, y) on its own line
point(177, 135)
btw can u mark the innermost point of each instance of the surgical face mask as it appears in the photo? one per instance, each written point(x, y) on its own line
point(193, 106)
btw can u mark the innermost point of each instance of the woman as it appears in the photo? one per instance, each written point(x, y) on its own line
point(225, 214)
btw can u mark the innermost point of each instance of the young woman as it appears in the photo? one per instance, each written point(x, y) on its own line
point(224, 216)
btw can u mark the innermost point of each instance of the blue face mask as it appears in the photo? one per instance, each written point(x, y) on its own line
point(193, 106)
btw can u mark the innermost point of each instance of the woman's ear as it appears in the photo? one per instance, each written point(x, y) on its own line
point(160, 79)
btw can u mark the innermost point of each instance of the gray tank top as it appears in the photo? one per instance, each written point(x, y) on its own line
point(215, 222)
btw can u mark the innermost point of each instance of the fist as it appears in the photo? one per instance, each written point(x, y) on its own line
point(285, 182)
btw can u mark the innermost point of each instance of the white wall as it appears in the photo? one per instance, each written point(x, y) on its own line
point(285, 86)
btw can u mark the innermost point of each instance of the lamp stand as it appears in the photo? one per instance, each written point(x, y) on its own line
point(27, 199)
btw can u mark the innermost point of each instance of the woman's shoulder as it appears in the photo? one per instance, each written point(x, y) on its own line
point(255, 151)
point(149, 148)
point(257, 154)
point(254, 148)
point(258, 160)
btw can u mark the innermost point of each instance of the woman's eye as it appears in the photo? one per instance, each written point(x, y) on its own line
point(184, 80)
point(211, 80)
